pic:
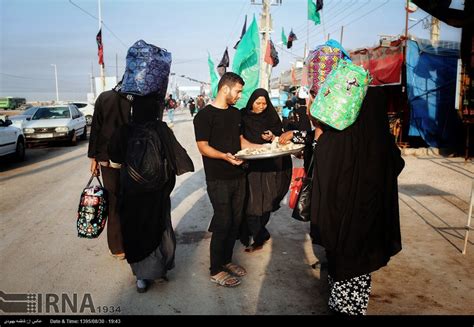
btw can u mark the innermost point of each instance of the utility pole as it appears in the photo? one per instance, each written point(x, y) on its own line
point(102, 73)
point(56, 78)
point(116, 66)
point(435, 30)
point(406, 33)
point(265, 29)
point(342, 34)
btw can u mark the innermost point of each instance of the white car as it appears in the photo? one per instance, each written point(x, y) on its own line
point(87, 110)
point(56, 123)
point(12, 140)
point(21, 119)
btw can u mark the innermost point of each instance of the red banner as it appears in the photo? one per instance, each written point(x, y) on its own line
point(383, 63)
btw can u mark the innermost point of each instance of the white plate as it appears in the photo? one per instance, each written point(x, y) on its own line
point(270, 154)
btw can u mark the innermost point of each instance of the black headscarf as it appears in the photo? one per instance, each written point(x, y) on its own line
point(354, 205)
point(255, 124)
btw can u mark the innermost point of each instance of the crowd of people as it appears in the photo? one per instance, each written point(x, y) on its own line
point(354, 203)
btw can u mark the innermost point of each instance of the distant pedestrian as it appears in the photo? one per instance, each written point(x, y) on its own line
point(170, 106)
point(200, 102)
point(192, 106)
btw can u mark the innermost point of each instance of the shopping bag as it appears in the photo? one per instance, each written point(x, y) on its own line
point(295, 186)
point(93, 210)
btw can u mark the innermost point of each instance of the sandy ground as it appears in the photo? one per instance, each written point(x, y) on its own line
point(40, 252)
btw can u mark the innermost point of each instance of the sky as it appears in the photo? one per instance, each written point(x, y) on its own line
point(34, 34)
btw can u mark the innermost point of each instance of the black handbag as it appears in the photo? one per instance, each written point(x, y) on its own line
point(302, 210)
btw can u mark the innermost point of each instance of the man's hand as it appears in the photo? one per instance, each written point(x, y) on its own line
point(233, 160)
point(95, 167)
point(285, 137)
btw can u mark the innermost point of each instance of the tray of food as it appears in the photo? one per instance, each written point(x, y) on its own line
point(269, 151)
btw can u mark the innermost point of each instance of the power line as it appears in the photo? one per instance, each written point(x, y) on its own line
point(327, 9)
point(357, 18)
point(236, 20)
point(317, 31)
point(102, 21)
point(421, 20)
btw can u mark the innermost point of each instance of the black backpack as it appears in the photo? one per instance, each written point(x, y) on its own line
point(146, 168)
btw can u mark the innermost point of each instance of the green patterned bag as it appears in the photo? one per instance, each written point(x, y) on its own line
point(339, 100)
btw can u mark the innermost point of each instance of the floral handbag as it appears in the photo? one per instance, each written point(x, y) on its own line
point(93, 210)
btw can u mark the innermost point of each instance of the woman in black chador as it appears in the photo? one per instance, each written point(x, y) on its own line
point(268, 179)
point(354, 206)
point(148, 235)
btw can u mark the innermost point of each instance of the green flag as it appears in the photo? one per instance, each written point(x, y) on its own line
point(283, 37)
point(312, 13)
point(214, 79)
point(247, 62)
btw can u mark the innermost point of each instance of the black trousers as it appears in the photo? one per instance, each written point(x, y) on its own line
point(111, 178)
point(227, 199)
point(257, 228)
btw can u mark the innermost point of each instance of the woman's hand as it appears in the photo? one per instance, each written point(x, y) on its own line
point(286, 137)
point(268, 136)
point(95, 167)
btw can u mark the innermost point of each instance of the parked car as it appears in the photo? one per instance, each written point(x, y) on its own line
point(56, 123)
point(12, 141)
point(87, 110)
point(20, 120)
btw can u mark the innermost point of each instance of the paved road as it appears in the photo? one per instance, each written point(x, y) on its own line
point(40, 252)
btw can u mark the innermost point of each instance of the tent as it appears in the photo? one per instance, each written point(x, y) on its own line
point(431, 83)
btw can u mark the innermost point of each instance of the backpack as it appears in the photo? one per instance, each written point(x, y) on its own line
point(340, 98)
point(147, 70)
point(146, 168)
point(93, 210)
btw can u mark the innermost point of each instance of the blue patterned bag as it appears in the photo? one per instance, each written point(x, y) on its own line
point(147, 70)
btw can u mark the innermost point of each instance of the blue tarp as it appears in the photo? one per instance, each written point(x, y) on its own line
point(431, 81)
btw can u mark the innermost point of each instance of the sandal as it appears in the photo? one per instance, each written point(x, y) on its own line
point(235, 269)
point(225, 279)
point(254, 247)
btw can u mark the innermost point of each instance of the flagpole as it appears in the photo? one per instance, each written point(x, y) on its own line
point(307, 31)
point(102, 73)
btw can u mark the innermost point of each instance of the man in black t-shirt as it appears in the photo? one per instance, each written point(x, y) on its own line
point(217, 131)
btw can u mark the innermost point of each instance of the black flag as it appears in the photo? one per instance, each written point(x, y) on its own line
point(100, 47)
point(274, 54)
point(291, 37)
point(319, 5)
point(244, 29)
point(221, 68)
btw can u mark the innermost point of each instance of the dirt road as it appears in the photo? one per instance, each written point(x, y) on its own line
point(40, 252)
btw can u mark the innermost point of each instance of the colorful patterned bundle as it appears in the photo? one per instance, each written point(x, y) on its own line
point(147, 70)
point(93, 210)
point(340, 98)
point(320, 63)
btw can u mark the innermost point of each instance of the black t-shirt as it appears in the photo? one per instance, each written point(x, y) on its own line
point(221, 129)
